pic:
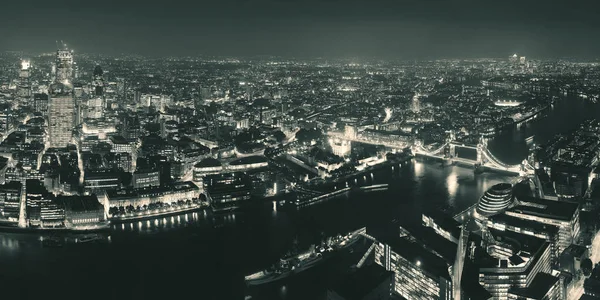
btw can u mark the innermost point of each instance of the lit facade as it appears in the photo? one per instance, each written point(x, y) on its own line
point(61, 120)
point(419, 274)
point(139, 197)
point(564, 215)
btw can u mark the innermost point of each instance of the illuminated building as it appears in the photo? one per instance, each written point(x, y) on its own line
point(95, 108)
point(340, 148)
point(503, 222)
point(120, 144)
point(350, 132)
point(6, 122)
point(10, 200)
point(513, 58)
point(419, 274)
point(82, 210)
point(522, 60)
point(207, 166)
point(544, 286)
point(180, 191)
point(24, 86)
point(563, 214)
point(61, 115)
point(64, 66)
point(145, 179)
point(98, 181)
point(160, 102)
point(42, 209)
point(40, 103)
point(227, 190)
point(510, 260)
point(495, 200)
point(247, 163)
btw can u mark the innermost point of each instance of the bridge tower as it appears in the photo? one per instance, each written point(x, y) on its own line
point(481, 147)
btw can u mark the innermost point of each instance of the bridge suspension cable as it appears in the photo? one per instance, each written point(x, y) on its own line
point(490, 157)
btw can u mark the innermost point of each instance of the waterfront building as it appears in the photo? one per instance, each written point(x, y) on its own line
point(82, 210)
point(564, 215)
point(42, 208)
point(10, 200)
point(366, 283)
point(180, 191)
point(227, 190)
point(495, 200)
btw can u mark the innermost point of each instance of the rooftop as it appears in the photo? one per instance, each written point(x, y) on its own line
point(560, 210)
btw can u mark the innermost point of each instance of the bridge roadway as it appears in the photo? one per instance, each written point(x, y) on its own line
point(490, 164)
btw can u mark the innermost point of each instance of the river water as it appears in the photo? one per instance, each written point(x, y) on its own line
point(202, 256)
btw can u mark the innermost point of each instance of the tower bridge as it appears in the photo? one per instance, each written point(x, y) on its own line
point(485, 158)
point(447, 151)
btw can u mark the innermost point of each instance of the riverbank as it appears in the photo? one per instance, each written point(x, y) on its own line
point(9, 228)
point(147, 215)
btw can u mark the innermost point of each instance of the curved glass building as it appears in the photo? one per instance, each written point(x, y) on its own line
point(495, 200)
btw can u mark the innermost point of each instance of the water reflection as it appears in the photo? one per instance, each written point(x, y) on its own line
point(452, 185)
point(147, 226)
point(8, 243)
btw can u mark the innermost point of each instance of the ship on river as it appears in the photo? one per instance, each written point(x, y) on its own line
point(292, 263)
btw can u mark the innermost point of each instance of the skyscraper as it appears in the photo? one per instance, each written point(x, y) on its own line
point(61, 115)
point(64, 65)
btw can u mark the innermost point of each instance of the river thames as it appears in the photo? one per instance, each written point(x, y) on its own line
point(198, 255)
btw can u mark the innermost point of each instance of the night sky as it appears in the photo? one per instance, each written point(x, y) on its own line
point(402, 29)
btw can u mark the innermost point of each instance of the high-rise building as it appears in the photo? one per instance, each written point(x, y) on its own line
point(61, 115)
point(24, 86)
point(64, 66)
